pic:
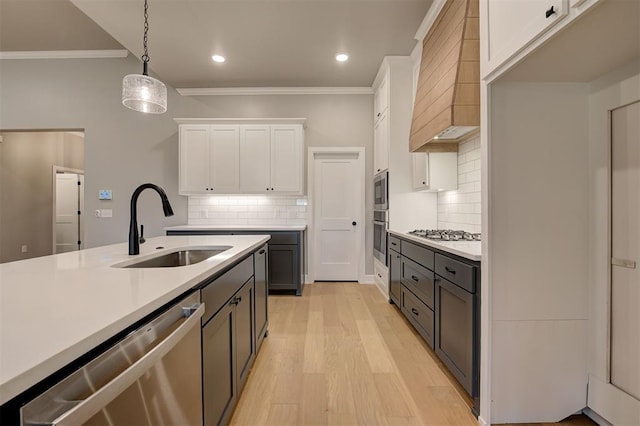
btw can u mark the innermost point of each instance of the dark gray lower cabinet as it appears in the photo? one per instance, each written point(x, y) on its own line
point(455, 339)
point(285, 255)
point(284, 267)
point(261, 289)
point(219, 395)
point(395, 276)
point(229, 344)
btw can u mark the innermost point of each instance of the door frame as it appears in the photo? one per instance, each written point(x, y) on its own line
point(606, 403)
point(312, 151)
point(58, 170)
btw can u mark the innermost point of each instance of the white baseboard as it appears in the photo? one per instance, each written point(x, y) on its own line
point(307, 280)
point(366, 279)
point(482, 421)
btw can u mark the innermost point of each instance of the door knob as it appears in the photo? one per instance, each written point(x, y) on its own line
point(354, 223)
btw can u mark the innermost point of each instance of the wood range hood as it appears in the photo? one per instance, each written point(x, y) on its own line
point(447, 105)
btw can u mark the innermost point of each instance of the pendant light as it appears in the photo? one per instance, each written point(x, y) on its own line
point(141, 92)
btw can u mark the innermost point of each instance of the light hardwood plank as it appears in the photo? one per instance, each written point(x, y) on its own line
point(283, 414)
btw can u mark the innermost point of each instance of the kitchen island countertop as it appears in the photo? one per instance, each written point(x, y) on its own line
point(54, 309)
point(471, 250)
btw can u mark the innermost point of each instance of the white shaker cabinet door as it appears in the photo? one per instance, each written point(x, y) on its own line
point(286, 158)
point(225, 159)
point(255, 154)
point(514, 24)
point(194, 159)
point(381, 144)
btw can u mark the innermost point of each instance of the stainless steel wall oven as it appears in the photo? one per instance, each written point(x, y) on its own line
point(380, 225)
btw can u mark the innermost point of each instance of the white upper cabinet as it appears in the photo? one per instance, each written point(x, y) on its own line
point(286, 158)
point(209, 159)
point(381, 144)
point(435, 171)
point(381, 98)
point(224, 159)
point(514, 24)
point(194, 159)
point(241, 158)
point(381, 125)
point(255, 159)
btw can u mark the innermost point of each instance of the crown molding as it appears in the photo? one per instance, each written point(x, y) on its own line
point(66, 54)
point(257, 91)
point(292, 120)
point(429, 19)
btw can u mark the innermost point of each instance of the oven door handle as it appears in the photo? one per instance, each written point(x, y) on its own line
point(89, 407)
point(378, 222)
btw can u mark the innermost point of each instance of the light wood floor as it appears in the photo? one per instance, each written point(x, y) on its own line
point(342, 355)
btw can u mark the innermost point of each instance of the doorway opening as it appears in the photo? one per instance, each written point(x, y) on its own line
point(29, 166)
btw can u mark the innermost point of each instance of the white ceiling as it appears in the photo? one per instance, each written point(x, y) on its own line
point(267, 43)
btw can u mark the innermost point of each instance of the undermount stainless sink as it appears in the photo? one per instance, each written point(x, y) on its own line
point(176, 258)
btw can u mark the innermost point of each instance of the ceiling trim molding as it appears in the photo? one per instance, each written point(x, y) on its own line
point(429, 19)
point(278, 120)
point(66, 54)
point(257, 91)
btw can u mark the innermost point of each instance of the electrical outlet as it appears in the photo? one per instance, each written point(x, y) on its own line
point(107, 213)
point(24, 248)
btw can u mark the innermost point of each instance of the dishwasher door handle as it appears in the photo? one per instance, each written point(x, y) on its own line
point(89, 407)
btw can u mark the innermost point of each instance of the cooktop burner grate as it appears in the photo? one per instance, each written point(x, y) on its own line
point(445, 235)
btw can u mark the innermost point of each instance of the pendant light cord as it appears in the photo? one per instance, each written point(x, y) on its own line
point(145, 57)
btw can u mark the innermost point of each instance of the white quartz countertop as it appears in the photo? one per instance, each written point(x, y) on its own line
point(54, 309)
point(471, 250)
point(237, 228)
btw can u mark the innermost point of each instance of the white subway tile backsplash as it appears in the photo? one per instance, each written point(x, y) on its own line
point(247, 210)
point(461, 209)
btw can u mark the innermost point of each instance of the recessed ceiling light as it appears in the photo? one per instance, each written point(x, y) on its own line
point(342, 57)
point(218, 58)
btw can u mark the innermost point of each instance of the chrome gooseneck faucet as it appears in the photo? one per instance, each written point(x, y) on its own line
point(134, 239)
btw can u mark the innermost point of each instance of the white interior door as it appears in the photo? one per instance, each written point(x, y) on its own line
point(338, 225)
point(67, 207)
point(625, 249)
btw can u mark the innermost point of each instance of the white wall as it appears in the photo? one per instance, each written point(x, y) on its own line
point(125, 148)
point(461, 209)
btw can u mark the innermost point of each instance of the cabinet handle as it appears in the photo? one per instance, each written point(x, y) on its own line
point(267, 189)
point(449, 270)
point(394, 244)
point(416, 279)
point(379, 169)
point(415, 312)
point(397, 257)
point(424, 182)
point(272, 189)
point(550, 12)
point(261, 251)
point(378, 115)
point(238, 300)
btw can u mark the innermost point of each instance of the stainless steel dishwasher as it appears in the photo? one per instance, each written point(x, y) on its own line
point(152, 377)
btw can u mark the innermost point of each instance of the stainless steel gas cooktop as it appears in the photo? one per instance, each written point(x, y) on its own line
point(445, 235)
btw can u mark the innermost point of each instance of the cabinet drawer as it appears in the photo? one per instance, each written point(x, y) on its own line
point(419, 280)
point(284, 238)
point(418, 254)
point(419, 315)
point(457, 272)
point(216, 293)
point(394, 243)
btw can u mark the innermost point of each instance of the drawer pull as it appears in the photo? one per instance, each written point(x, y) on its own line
point(416, 279)
point(415, 312)
point(261, 251)
point(394, 244)
point(550, 12)
point(449, 270)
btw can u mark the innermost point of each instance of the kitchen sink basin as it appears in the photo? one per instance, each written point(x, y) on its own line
point(184, 257)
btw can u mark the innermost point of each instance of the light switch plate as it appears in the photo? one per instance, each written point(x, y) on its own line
point(104, 194)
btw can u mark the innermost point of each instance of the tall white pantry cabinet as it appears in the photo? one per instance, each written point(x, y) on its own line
point(551, 73)
point(247, 158)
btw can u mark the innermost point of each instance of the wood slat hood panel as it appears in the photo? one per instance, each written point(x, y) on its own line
point(448, 93)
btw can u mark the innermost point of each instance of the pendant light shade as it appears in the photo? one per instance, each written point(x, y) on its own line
point(143, 93)
point(139, 91)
